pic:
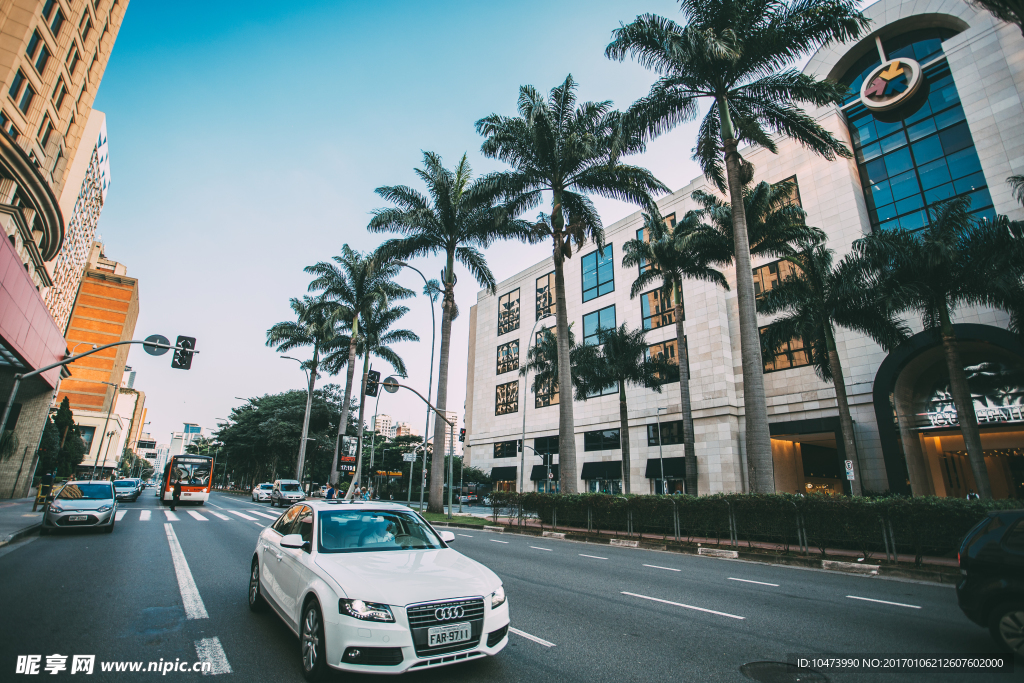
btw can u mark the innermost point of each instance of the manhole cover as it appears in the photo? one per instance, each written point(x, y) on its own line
point(780, 672)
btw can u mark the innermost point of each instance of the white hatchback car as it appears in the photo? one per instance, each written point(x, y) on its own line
point(372, 587)
point(261, 492)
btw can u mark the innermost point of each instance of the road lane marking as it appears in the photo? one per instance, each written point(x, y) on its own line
point(242, 515)
point(668, 569)
point(120, 515)
point(171, 517)
point(224, 517)
point(210, 650)
point(760, 583)
point(216, 506)
point(884, 602)
point(144, 515)
point(190, 598)
point(547, 550)
point(262, 514)
point(494, 540)
point(466, 535)
point(198, 516)
point(530, 637)
point(679, 604)
point(593, 557)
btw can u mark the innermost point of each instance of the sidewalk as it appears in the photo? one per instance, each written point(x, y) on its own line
point(17, 519)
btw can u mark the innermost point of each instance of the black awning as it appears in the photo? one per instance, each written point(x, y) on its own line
point(504, 473)
point(540, 472)
point(674, 467)
point(602, 470)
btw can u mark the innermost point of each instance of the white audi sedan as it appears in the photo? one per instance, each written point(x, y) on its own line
point(372, 587)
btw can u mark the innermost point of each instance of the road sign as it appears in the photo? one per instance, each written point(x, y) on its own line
point(849, 466)
point(551, 475)
point(156, 350)
point(409, 457)
point(391, 385)
point(849, 475)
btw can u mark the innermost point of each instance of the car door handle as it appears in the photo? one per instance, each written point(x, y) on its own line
point(279, 556)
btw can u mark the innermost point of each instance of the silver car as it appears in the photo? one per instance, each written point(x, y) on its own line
point(286, 492)
point(81, 504)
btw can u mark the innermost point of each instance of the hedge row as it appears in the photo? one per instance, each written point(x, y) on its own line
point(920, 526)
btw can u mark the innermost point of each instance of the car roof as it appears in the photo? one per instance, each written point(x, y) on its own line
point(361, 504)
point(87, 481)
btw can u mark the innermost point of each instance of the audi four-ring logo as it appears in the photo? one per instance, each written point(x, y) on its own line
point(446, 613)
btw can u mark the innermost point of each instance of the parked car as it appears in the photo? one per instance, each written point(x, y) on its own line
point(127, 489)
point(340, 572)
point(991, 590)
point(261, 492)
point(286, 492)
point(81, 504)
point(463, 499)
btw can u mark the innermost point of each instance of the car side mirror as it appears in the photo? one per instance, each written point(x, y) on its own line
point(294, 541)
point(446, 536)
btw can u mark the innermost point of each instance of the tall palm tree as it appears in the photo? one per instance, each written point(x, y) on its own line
point(375, 340)
point(458, 219)
point(352, 285)
point(620, 358)
point(772, 225)
point(315, 326)
point(569, 150)
point(1010, 11)
point(663, 260)
point(736, 54)
point(817, 299)
point(957, 260)
point(1016, 183)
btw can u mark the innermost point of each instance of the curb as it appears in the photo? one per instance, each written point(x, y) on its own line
point(21, 533)
point(849, 567)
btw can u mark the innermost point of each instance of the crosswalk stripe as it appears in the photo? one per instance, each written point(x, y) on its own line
point(144, 515)
point(262, 514)
point(224, 517)
point(171, 517)
point(120, 515)
point(198, 516)
point(242, 515)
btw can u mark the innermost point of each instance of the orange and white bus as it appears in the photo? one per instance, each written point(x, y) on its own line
point(194, 471)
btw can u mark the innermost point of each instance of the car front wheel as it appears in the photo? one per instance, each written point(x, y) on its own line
point(1007, 627)
point(314, 664)
point(256, 601)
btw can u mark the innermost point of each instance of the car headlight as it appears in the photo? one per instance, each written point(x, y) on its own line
point(498, 597)
point(103, 508)
point(54, 507)
point(367, 611)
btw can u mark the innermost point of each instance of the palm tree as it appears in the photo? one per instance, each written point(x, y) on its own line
point(619, 358)
point(352, 284)
point(1016, 183)
point(664, 261)
point(376, 339)
point(458, 219)
point(571, 151)
point(817, 299)
point(957, 260)
point(735, 54)
point(1010, 11)
point(314, 326)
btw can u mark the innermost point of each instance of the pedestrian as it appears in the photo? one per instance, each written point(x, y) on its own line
point(971, 495)
point(330, 492)
point(176, 493)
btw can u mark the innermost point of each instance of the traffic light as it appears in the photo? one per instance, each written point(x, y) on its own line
point(372, 382)
point(462, 434)
point(182, 359)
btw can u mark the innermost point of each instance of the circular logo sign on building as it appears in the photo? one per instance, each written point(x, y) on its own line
point(890, 84)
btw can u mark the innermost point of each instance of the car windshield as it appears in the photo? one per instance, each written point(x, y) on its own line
point(289, 487)
point(124, 484)
point(266, 487)
point(355, 531)
point(191, 473)
point(85, 492)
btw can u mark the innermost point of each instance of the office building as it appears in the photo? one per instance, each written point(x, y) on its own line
point(405, 429)
point(385, 427)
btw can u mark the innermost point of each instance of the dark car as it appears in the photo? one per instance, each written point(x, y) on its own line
point(127, 489)
point(991, 590)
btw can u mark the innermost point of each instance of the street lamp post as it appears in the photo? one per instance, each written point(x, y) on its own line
point(526, 395)
point(310, 378)
point(661, 455)
point(99, 447)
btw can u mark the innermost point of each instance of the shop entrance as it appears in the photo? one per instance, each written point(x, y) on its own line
point(809, 457)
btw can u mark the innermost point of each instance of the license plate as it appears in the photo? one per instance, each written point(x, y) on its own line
point(77, 518)
point(446, 635)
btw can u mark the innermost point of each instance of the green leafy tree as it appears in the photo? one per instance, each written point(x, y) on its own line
point(956, 261)
point(571, 151)
point(1016, 183)
point(818, 298)
point(664, 261)
point(739, 55)
point(62, 447)
point(1010, 11)
point(457, 218)
point(353, 284)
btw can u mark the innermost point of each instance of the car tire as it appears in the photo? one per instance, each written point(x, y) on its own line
point(312, 643)
point(257, 603)
point(1006, 624)
point(109, 529)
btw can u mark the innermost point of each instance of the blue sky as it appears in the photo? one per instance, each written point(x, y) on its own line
point(246, 140)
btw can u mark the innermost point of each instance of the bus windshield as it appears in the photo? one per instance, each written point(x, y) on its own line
point(191, 471)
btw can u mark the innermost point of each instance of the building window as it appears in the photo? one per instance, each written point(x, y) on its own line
point(73, 60)
point(656, 309)
point(547, 392)
point(21, 86)
point(671, 433)
point(33, 45)
point(8, 127)
point(85, 26)
point(794, 193)
point(771, 274)
point(792, 354)
point(666, 350)
point(601, 440)
point(594, 323)
point(16, 85)
point(598, 275)
point(506, 398)
point(546, 295)
point(508, 312)
point(45, 131)
point(57, 158)
point(60, 92)
point(42, 60)
point(56, 19)
point(506, 449)
point(644, 235)
point(925, 156)
point(508, 357)
point(546, 445)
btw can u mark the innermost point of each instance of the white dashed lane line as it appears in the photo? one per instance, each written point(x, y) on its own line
point(679, 604)
point(262, 514)
point(220, 516)
point(190, 598)
point(593, 557)
point(759, 583)
point(535, 639)
point(171, 517)
point(668, 569)
point(242, 515)
point(196, 515)
point(210, 650)
point(120, 515)
point(466, 535)
point(145, 515)
point(884, 602)
point(547, 550)
point(494, 540)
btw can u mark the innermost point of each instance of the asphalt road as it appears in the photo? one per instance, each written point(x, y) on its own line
point(600, 613)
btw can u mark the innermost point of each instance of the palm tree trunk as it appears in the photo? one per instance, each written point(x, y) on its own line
point(624, 435)
point(965, 415)
point(760, 468)
point(845, 420)
point(683, 356)
point(436, 501)
point(567, 471)
point(357, 475)
point(305, 420)
point(345, 401)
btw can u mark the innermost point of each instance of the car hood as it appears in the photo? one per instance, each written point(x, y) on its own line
point(83, 504)
point(403, 577)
